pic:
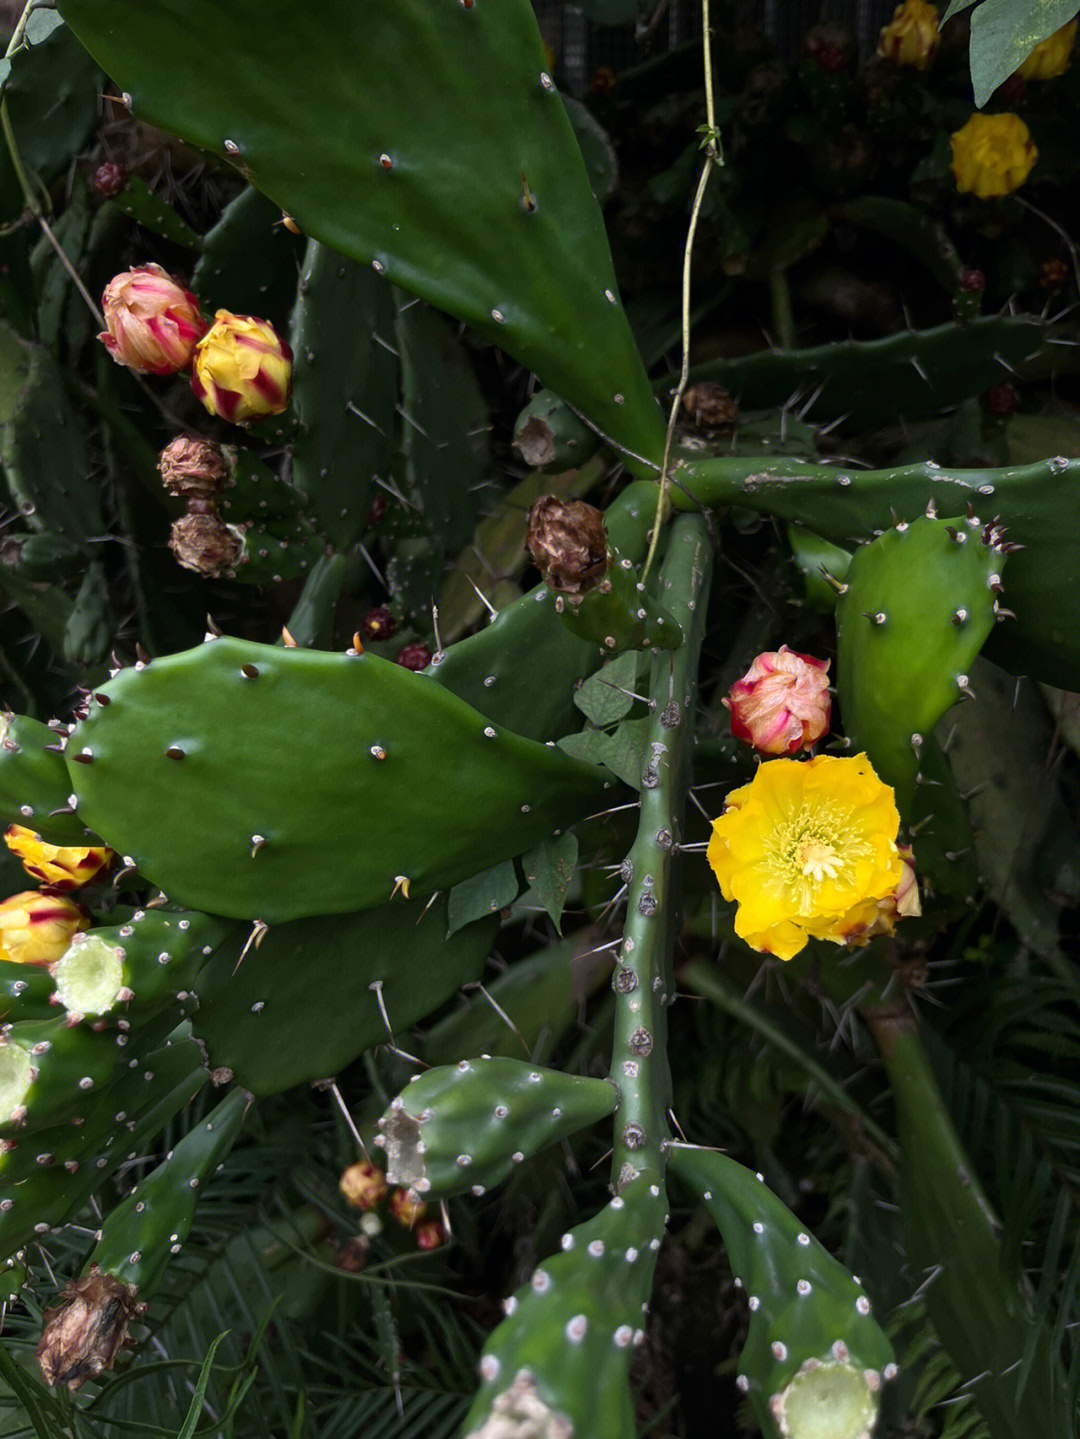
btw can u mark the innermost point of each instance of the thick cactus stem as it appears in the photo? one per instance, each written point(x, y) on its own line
point(826, 1401)
point(643, 981)
point(465, 1126)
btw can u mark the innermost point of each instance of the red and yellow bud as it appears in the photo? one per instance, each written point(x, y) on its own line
point(430, 1234)
point(406, 1208)
point(363, 1184)
point(911, 37)
point(153, 324)
point(992, 155)
point(242, 369)
point(1052, 56)
point(782, 703)
point(58, 866)
point(38, 928)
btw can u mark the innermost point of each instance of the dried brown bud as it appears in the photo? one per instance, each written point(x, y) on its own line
point(568, 543)
point(353, 1257)
point(709, 405)
point(84, 1332)
point(191, 466)
point(206, 544)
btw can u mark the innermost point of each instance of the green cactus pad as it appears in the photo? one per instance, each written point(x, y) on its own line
point(620, 614)
point(249, 261)
point(814, 1359)
point(34, 781)
point(333, 971)
point(562, 1355)
point(917, 607)
point(313, 776)
point(26, 992)
point(550, 436)
point(138, 967)
point(141, 1235)
point(478, 199)
point(48, 1176)
point(465, 1126)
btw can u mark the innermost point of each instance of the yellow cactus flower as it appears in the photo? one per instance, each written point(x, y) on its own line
point(58, 866)
point(807, 850)
point(911, 37)
point(38, 928)
point(1051, 57)
point(242, 369)
point(992, 155)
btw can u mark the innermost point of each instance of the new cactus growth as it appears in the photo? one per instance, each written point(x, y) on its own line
point(815, 1358)
point(464, 1127)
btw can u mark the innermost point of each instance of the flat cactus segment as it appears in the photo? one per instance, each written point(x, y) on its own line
point(477, 200)
point(26, 992)
point(870, 382)
point(332, 971)
point(344, 389)
point(312, 775)
point(141, 1234)
point(138, 967)
point(47, 1177)
point(465, 1126)
point(620, 614)
point(249, 260)
point(814, 1358)
point(34, 781)
point(562, 1355)
point(918, 605)
point(1034, 503)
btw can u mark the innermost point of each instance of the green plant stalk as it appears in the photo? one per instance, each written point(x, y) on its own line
point(643, 979)
point(980, 1313)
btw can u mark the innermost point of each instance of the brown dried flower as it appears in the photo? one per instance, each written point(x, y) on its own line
point(205, 543)
point(709, 405)
point(193, 466)
point(84, 1332)
point(568, 543)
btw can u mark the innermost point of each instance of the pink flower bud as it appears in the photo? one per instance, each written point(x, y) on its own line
point(782, 702)
point(153, 323)
point(242, 369)
point(430, 1234)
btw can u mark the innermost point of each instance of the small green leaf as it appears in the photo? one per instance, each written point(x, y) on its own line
point(1003, 35)
point(623, 752)
point(549, 868)
point(603, 698)
point(483, 894)
point(41, 1408)
point(195, 1407)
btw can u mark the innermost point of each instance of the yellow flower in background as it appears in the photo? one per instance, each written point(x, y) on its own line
point(1051, 56)
point(911, 37)
point(808, 850)
point(58, 866)
point(37, 928)
point(992, 155)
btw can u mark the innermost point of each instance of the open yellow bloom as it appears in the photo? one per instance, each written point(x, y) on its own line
point(911, 37)
point(992, 155)
point(1051, 56)
point(807, 850)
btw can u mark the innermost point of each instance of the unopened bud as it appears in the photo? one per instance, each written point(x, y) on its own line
point(911, 38)
point(415, 657)
point(782, 703)
point(1001, 400)
point(972, 281)
point(242, 369)
point(37, 928)
point(568, 543)
point(430, 1234)
point(205, 543)
point(84, 1332)
point(193, 466)
point(110, 178)
point(363, 1184)
point(58, 866)
point(379, 624)
point(1053, 274)
point(153, 324)
point(406, 1208)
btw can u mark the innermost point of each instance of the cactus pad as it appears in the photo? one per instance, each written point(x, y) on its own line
point(814, 1358)
point(561, 1357)
point(918, 605)
point(34, 781)
point(465, 1126)
point(313, 776)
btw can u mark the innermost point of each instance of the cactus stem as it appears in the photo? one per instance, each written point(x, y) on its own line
point(643, 978)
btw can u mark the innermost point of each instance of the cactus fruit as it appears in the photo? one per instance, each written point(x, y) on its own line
point(814, 1358)
point(917, 606)
point(557, 1366)
point(151, 1224)
point(465, 1126)
point(201, 732)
